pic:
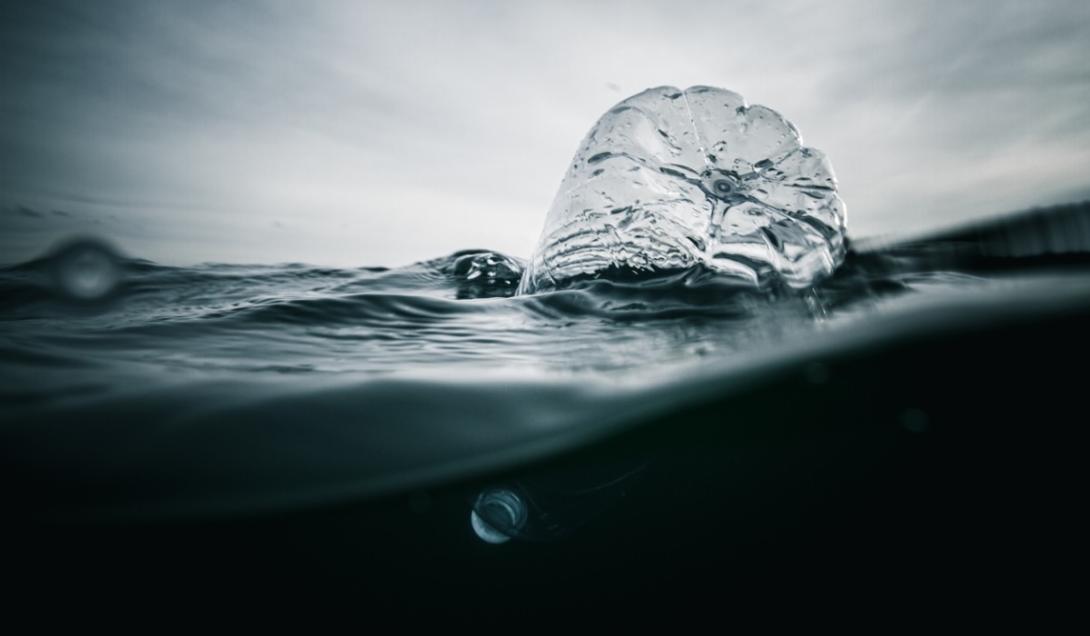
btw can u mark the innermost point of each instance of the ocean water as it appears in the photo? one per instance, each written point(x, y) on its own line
point(371, 426)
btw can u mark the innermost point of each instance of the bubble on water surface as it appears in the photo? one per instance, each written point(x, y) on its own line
point(671, 179)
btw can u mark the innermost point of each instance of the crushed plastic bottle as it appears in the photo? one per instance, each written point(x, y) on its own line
point(671, 179)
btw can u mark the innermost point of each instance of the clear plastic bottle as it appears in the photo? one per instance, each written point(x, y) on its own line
point(671, 179)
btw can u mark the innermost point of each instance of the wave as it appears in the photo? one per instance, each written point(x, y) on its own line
point(221, 389)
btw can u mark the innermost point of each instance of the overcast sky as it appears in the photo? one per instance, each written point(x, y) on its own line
point(380, 133)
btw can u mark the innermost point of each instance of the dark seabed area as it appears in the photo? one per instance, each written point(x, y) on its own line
point(423, 435)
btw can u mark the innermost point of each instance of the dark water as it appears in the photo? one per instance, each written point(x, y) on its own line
point(286, 420)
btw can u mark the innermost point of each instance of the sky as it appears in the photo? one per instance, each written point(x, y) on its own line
point(352, 133)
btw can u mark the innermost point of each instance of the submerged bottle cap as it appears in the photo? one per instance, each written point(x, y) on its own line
point(498, 514)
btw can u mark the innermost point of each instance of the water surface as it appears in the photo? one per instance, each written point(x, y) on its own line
point(232, 388)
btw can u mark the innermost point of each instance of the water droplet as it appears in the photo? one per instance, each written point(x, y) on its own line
point(86, 271)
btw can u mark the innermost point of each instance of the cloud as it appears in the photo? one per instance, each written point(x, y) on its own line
point(382, 133)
